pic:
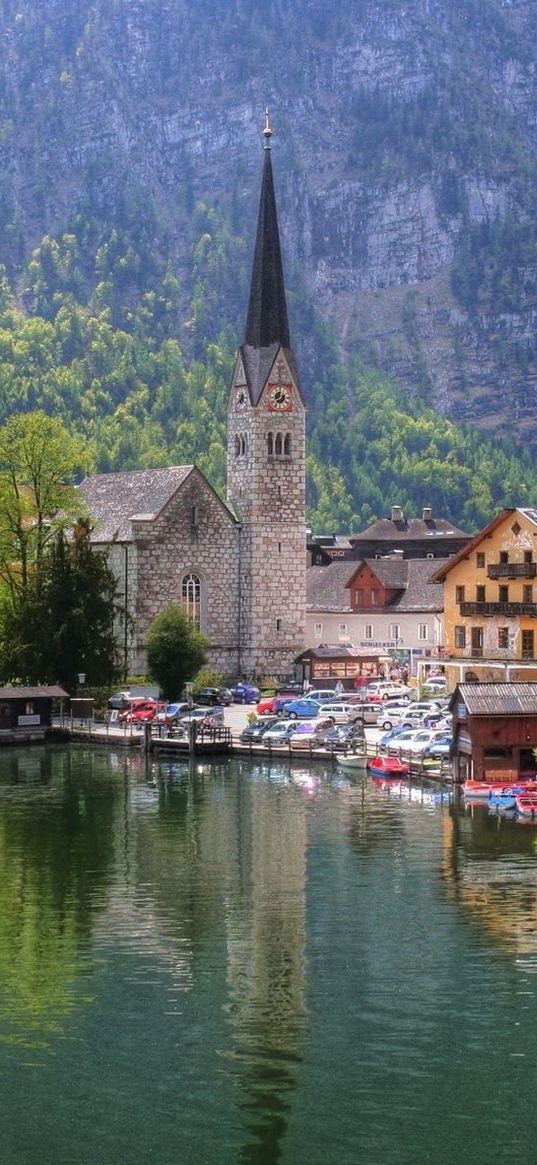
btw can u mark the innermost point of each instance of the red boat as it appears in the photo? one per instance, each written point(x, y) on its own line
point(387, 766)
point(526, 804)
point(481, 790)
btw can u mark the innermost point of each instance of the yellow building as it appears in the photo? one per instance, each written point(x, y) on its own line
point(490, 602)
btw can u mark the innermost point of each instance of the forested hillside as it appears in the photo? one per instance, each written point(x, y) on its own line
point(405, 165)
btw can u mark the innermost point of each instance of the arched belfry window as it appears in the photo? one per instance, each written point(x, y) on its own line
point(191, 598)
point(278, 445)
point(270, 444)
point(287, 445)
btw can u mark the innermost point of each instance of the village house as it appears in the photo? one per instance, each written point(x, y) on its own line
point(424, 537)
point(490, 602)
point(385, 609)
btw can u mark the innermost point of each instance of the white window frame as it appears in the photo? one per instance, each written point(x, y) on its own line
point(394, 631)
point(423, 632)
point(343, 631)
point(318, 628)
point(368, 631)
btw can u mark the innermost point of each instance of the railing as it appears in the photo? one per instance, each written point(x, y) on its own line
point(512, 570)
point(490, 609)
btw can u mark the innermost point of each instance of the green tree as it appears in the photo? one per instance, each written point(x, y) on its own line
point(38, 461)
point(66, 621)
point(175, 650)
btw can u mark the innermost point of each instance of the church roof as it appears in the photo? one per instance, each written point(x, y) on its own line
point(328, 586)
point(267, 325)
point(266, 322)
point(114, 499)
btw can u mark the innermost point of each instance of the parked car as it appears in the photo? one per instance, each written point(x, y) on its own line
point(280, 732)
point(204, 717)
point(420, 741)
point(388, 716)
point(311, 732)
point(342, 711)
point(391, 735)
point(343, 736)
point(322, 694)
point(171, 713)
point(440, 747)
point(386, 689)
point(139, 710)
point(120, 700)
point(266, 706)
point(302, 709)
point(255, 731)
point(209, 696)
point(435, 683)
point(245, 693)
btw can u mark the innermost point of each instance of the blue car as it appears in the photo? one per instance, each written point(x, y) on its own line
point(391, 735)
point(301, 709)
point(244, 693)
point(440, 747)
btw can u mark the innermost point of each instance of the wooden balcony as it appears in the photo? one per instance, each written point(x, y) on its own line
point(489, 610)
point(512, 570)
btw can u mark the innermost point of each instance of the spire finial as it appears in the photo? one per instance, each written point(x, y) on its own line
point(267, 132)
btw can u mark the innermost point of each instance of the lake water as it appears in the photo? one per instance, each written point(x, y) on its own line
point(251, 963)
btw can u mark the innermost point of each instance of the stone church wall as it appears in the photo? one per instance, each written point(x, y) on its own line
point(194, 534)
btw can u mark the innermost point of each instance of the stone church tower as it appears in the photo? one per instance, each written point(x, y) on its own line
point(266, 462)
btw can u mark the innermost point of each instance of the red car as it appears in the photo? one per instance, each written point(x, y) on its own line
point(140, 710)
point(266, 706)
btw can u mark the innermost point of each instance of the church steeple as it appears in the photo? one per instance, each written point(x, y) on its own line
point(267, 322)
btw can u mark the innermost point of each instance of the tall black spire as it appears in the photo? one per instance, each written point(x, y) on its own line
point(267, 322)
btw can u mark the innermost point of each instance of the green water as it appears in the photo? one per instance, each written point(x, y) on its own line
point(254, 964)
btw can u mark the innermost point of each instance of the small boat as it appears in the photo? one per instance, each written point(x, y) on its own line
point(352, 760)
point(482, 790)
point(387, 766)
point(505, 800)
point(526, 804)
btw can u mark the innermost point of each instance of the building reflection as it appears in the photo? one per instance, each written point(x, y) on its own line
point(490, 870)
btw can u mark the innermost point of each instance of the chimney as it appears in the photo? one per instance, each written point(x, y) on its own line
point(397, 514)
point(427, 513)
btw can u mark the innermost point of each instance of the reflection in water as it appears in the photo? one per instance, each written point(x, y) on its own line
point(490, 869)
point(247, 963)
point(56, 849)
point(265, 969)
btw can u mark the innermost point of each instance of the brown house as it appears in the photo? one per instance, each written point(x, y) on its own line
point(26, 713)
point(494, 731)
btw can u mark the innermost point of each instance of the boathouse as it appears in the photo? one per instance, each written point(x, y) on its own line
point(494, 730)
point(26, 713)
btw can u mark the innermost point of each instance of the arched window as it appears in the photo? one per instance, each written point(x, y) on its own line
point(191, 598)
point(287, 445)
point(244, 444)
point(237, 445)
point(278, 445)
point(270, 444)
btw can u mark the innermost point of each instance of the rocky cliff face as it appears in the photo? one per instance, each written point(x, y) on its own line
point(405, 137)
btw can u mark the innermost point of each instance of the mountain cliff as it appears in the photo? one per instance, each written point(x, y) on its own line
point(405, 156)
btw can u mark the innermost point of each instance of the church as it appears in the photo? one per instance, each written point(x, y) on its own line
point(238, 567)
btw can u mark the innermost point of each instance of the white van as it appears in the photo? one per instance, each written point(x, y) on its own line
point(341, 712)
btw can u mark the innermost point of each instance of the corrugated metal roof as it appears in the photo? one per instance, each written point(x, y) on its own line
point(499, 699)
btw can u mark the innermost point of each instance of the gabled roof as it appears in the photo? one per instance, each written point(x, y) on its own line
point(52, 692)
point(442, 571)
point(114, 500)
point(327, 587)
point(407, 529)
point(258, 363)
point(513, 699)
point(392, 573)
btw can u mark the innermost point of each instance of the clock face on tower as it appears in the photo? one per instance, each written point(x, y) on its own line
point(280, 398)
point(241, 397)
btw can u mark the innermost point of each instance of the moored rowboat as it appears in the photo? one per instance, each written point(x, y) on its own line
point(387, 766)
point(352, 760)
point(526, 804)
point(482, 790)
